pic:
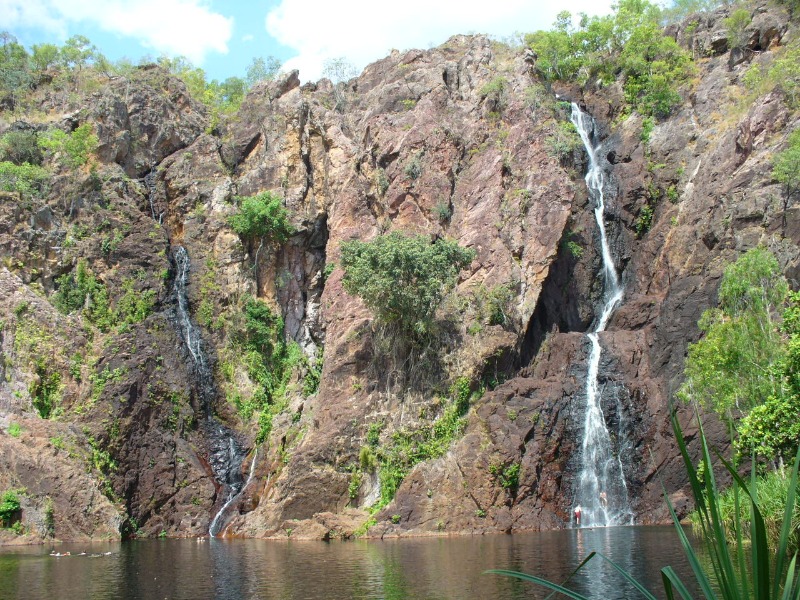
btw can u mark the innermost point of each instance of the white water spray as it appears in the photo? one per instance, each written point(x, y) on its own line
point(225, 454)
point(602, 493)
point(216, 525)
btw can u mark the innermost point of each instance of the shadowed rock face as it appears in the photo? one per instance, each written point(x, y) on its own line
point(449, 142)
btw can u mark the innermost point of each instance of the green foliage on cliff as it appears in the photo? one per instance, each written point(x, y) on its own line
point(74, 148)
point(20, 147)
point(262, 217)
point(9, 507)
point(80, 290)
point(628, 45)
point(782, 74)
point(730, 368)
point(408, 447)
point(403, 279)
point(270, 362)
point(747, 365)
point(28, 180)
point(736, 26)
point(786, 165)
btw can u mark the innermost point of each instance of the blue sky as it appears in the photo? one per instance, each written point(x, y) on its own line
point(223, 37)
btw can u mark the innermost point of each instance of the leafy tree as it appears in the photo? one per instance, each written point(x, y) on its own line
point(15, 75)
point(737, 25)
point(731, 367)
point(339, 70)
point(9, 507)
point(786, 166)
point(629, 44)
point(680, 9)
point(21, 147)
point(403, 279)
point(77, 52)
point(75, 147)
point(29, 180)
point(261, 69)
point(261, 218)
point(773, 428)
point(43, 57)
point(80, 290)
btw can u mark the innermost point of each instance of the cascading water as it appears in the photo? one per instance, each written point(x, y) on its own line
point(602, 493)
point(226, 455)
point(150, 184)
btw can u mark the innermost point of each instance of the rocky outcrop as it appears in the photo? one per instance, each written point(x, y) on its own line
point(450, 142)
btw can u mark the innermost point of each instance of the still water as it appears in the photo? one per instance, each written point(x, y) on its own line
point(429, 568)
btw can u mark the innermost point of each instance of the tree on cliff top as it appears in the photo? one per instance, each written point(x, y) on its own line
point(403, 279)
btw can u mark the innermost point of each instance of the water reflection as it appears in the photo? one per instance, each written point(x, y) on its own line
point(431, 568)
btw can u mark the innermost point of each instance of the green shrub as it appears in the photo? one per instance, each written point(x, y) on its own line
point(628, 44)
point(786, 165)
point(80, 290)
point(28, 180)
point(772, 491)
point(403, 279)
point(731, 367)
point(736, 26)
point(14, 430)
point(21, 147)
point(75, 148)
point(644, 221)
point(262, 217)
point(408, 447)
point(564, 140)
point(45, 391)
point(270, 361)
point(135, 305)
point(9, 507)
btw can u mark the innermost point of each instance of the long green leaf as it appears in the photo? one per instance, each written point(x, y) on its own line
point(715, 539)
point(709, 518)
point(758, 534)
point(790, 589)
point(539, 581)
point(628, 577)
point(670, 578)
point(786, 529)
point(574, 571)
point(694, 562)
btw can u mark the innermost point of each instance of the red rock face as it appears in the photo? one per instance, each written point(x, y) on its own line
point(451, 142)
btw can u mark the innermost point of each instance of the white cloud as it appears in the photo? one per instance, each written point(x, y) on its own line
point(362, 32)
point(174, 27)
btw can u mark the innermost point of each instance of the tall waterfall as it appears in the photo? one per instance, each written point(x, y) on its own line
point(226, 455)
point(602, 493)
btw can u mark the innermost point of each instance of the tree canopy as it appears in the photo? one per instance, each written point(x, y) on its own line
point(403, 279)
point(746, 367)
point(628, 44)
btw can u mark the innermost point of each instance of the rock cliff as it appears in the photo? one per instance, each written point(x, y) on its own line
point(459, 141)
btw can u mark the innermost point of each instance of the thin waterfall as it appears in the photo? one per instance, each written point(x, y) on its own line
point(602, 493)
point(225, 453)
point(150, 184)
point(219, 518)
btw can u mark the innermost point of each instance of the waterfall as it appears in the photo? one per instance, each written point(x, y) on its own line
point(602, 492)
point(225, 453)
point(233, 494)
point(150, 184)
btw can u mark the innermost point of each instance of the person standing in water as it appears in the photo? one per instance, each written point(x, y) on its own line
point(603, 499)
point(578, 515)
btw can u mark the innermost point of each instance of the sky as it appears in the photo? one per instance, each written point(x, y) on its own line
point(223, 37)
